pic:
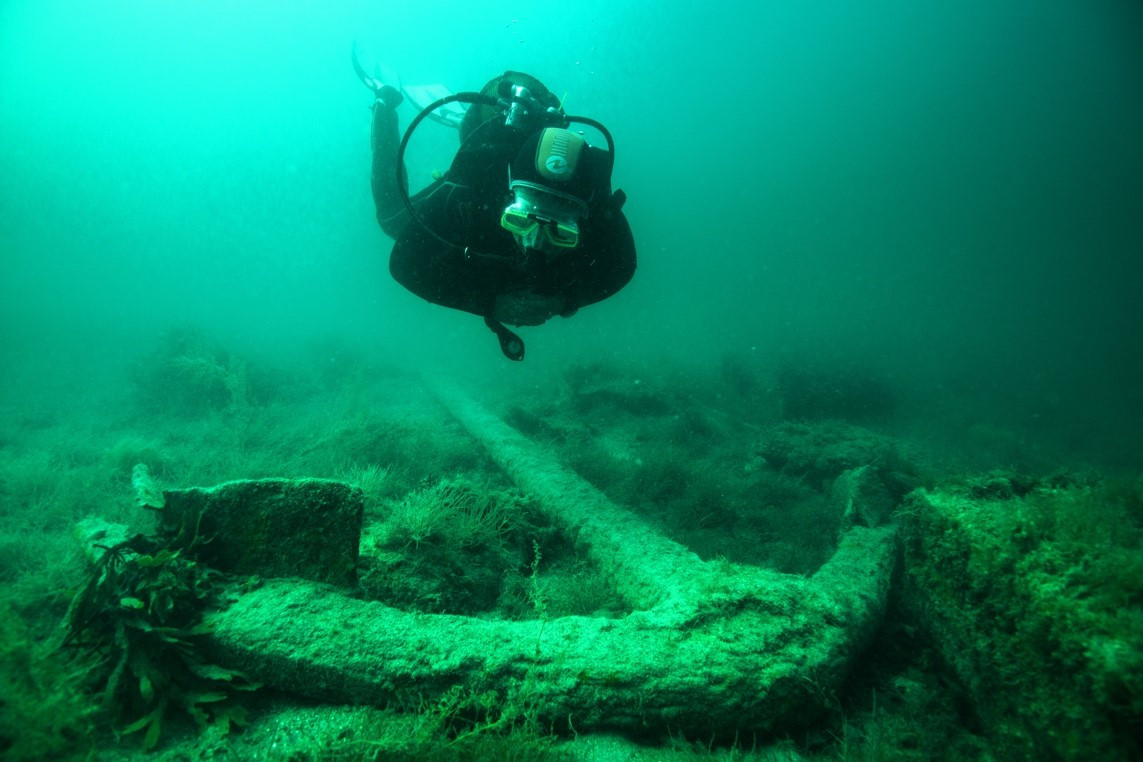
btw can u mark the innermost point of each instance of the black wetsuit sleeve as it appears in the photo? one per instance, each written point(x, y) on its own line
point(387, 194)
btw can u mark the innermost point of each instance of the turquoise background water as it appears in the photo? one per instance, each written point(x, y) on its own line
point(950, 193)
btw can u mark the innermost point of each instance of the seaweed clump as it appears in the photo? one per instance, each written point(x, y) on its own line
point(141, 611)
point(446, 548)
point(1034, 591)
point(44, 712)
point(189, 375)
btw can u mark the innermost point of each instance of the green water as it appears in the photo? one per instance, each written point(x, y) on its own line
point(926, 218)
point(949, 191)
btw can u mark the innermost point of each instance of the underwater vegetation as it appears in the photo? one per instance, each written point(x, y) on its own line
point(189, 374)
point(1012, 627)
point(1033, 589)
point(140, 611)
point(44, 710)
point(469, 548)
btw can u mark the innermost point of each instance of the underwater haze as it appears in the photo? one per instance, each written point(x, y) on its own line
point(851, 469)
point(949, 192)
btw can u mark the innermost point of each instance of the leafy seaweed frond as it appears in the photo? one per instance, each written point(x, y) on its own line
point(141, 610)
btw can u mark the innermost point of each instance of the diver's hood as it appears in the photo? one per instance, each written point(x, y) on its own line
point(562, 161)
point(483, 111)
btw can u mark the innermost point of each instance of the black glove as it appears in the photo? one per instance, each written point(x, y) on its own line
point(386, 95)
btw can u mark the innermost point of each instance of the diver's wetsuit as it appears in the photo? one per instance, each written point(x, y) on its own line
point(465, 206)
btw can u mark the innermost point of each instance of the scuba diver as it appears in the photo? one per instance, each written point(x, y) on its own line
point(522, 227)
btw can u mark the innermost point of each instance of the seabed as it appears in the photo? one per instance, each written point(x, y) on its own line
point(659, 563)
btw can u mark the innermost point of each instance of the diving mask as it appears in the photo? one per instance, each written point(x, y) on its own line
point(544, 219)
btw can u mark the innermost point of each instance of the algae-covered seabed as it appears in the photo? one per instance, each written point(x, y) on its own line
point(1010, 626)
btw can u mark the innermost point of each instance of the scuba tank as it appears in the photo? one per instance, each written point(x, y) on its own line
point(522, 113)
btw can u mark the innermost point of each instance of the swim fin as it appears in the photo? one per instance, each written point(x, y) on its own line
point(421, 96)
